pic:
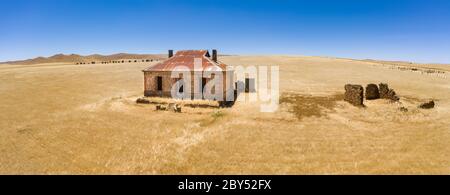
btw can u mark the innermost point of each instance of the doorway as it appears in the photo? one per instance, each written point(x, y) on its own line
point(159, 83)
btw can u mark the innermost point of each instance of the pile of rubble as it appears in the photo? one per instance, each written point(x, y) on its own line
point(386, 93)
point(161, 107)
point(142, 101)
point(427, 105)
point(171, 107)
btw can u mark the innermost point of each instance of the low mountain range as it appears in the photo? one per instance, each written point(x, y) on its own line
point(74, 58)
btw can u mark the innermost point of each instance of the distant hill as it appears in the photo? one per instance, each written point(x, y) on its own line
point(74, 58)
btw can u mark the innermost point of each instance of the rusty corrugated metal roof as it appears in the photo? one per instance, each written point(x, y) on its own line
point(186, 58)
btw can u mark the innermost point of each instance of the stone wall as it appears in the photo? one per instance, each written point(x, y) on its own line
point(151, 86)
point(387, 93)
point(354, 94)
point(384, 89)
point(372, 92)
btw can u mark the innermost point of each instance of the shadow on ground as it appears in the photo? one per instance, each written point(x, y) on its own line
point(303, 106)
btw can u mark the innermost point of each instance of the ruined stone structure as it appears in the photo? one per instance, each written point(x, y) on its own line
point(387, 93)
point(392, 95)
point(158, 79)
point(354, 94)
point(384, 89)
point(372, 92)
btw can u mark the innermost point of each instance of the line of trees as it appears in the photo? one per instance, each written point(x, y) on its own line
point(117, 61)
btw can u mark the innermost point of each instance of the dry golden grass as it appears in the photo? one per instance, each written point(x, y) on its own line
point(61, 119)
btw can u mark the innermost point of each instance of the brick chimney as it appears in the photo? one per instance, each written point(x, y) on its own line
point(214, 55)
point(170, 53)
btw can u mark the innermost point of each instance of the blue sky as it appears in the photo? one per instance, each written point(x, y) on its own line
point(414, 30)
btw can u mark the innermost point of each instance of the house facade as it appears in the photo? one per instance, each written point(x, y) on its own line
point(159, 79)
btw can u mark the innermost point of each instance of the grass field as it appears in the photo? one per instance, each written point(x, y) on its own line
point(83, 119)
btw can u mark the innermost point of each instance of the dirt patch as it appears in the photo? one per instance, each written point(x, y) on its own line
point(304, 106)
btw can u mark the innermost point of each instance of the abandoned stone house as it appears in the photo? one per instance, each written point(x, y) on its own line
point(158, 79)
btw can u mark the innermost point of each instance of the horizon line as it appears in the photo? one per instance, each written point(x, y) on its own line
point(231, 54)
